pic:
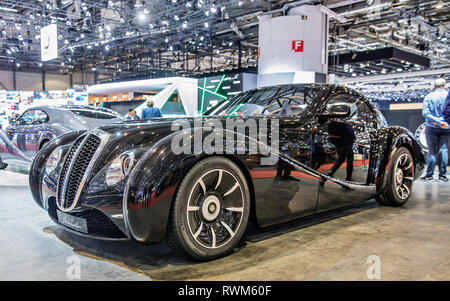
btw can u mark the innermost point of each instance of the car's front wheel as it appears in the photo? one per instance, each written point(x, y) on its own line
point(211, 210)
point(399, 181)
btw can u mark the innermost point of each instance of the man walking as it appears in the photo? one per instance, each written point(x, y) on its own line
point(437, 130)
point(150, 111)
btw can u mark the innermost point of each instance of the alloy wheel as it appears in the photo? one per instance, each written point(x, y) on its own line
point(215, 208)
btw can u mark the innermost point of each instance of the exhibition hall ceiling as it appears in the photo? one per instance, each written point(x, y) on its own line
point(137, 38)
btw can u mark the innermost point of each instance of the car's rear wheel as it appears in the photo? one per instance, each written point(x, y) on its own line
point(399, 181)
point(210, 211)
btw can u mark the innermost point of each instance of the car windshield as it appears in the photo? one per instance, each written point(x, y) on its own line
point(93, 114)
point(280, 100)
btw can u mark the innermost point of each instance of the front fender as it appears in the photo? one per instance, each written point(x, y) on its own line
point(386, 142)
point(150, 189)
point(38, 165)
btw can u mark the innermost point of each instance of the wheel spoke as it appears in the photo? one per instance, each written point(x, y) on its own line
point(231, 189)
point(213, 236)
point(202, 184)
point(193, 208)
point(235, 209)
point(405, 188)
point(228, 228)
point(219, 179)
point(409, 178)
point(409, 166)
point(197, 233)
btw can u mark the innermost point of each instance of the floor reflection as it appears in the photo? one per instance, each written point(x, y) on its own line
point(159, 262)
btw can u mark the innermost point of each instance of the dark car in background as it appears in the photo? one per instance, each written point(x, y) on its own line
point(125, 181)
point(36, 126)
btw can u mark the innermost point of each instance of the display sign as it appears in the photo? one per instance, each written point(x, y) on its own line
point(215, 89)
point(297, 45)
point(49, 42)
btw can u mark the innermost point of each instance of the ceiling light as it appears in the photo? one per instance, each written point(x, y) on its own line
point(185, 24)
point(440, 5)
point(8, 9)
point(206, 24)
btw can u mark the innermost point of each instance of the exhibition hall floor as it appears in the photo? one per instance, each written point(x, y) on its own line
point(409, 243)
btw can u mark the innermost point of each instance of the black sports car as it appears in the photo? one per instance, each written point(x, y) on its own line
point(328, 147)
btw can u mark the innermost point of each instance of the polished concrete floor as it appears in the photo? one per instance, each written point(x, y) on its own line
point(408, 243)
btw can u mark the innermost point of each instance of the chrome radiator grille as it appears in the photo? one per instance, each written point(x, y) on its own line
point(75, 170)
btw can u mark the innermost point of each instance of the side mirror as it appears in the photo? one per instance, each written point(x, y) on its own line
point(13, 121)
point(340, 110)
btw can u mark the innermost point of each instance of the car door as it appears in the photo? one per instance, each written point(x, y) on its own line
point(345, 141)
point(289, 188)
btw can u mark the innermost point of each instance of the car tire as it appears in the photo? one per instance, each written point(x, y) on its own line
point(210, 211)
point(399, 179)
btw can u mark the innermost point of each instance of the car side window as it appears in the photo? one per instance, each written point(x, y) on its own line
point(33, 117)
point(361, 116)
point(40, 117)
point(366, 115)
point(26, 117)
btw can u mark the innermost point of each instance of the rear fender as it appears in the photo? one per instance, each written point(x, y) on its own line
point(386, 142)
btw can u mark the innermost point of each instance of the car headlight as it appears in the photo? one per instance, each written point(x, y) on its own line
point(119, 168)
point(53, 160)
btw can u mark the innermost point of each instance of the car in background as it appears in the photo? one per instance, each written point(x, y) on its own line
point(29, 132)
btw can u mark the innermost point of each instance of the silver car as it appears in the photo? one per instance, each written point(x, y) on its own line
point(27, 134)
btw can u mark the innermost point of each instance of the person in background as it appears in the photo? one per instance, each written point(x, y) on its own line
point(132, 115)
point(150, 111)
point(446, 109)
point(437, 130)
